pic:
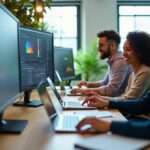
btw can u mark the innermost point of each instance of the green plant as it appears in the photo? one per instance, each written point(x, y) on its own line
point(88, 63)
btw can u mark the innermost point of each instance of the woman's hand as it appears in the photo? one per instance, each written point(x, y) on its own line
point(96, 124)
point(82, 83)
point(82, 91)
point(96, 101)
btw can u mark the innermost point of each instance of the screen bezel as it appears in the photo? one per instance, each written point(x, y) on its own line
point(22, 28)
point(13, 99)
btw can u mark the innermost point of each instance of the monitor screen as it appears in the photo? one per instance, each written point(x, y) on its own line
point(9, 67)
point(64, 63)
point(36, 57)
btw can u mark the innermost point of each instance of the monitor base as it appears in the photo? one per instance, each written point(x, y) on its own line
point(32, 103)
point(12, 126)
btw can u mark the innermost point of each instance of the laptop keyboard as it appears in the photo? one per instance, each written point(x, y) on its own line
point(75, 104)
point(69, 122)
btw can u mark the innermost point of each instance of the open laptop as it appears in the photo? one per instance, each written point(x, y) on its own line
point(62, 86)
point(67, 90)
point(69, 103)
point(62, 122)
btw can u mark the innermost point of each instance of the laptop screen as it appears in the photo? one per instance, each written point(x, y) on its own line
point(46, 99)
point(54, 89)
point(58, 76)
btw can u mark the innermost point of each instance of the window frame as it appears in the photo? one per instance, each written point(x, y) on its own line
point(130, 3)
point(77, 4)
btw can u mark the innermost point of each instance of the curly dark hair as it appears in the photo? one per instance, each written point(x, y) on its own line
point(110, 35)
point(140, 42)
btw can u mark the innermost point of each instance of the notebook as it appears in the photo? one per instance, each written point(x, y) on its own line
point(109, 142)
point(61, 122)
point(69, 103)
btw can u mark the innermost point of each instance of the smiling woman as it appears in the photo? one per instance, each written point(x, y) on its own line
point(139, 44)
point(129, 54)
point(137, 54)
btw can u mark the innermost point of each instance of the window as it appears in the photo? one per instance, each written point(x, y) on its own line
point(63, 21)
point(133, 17)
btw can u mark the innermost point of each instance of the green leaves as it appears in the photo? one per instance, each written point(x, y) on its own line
point(88, 62)
point(24, 11)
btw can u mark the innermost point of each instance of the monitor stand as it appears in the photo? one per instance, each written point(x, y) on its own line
point(27, 102)
point(69, 84)
point(12, 126)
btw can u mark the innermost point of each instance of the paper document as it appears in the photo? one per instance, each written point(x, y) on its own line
point(110, 142)
point(95, 113)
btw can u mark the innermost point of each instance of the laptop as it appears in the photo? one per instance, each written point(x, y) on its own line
point(68, 91)
point(62, 122)
point(69, 103)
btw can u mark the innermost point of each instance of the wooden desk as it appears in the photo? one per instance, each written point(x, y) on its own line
point(38, 134)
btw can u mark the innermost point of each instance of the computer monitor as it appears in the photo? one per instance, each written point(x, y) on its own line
point(64, 63)
point(36, 61)
point(9, 69)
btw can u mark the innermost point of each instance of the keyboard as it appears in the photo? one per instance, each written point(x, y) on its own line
point(73, 104)
point(69, 122)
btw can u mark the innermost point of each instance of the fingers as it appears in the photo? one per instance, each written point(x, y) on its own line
point(87, 100)
point(86, 91)
point(92, 93)
point(90, 103)
point(84, 122)
point(95, 124)
point(76, 90)
point(82, 83)
point(90, 99)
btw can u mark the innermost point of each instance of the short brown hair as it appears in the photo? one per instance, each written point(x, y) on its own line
point(110, 35)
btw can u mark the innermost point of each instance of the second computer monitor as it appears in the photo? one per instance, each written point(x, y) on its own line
point(64, 62)
point(36, 57)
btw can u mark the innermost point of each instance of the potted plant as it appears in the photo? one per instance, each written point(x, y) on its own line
point(89, 64)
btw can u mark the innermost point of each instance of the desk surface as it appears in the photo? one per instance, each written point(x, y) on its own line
point(38, 134)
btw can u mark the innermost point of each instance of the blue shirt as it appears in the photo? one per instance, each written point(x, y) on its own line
point(139, 129)
point(116, 79)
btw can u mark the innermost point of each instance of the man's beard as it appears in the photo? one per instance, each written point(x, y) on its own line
point(105, 54)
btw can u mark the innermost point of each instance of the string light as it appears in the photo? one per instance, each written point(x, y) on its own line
point(41, 20)
point(39, 6)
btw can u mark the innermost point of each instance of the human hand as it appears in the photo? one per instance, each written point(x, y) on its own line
point(96, 101)
point(96, 124)
point(87, 92)
point(82, 83)
point(76, 91)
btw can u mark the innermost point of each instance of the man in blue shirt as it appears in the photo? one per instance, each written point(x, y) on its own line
point(116, 78)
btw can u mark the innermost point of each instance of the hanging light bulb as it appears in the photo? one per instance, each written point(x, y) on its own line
point(39, 6)
point(3, 1)
point(41, 20)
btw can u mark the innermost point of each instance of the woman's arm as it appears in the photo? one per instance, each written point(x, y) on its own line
point(138, 129)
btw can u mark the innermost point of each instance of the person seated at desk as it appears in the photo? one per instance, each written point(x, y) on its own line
point(137, 54)
point(132, 128)
point(116, 79)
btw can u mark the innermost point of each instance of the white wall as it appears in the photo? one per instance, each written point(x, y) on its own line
point(97, 15)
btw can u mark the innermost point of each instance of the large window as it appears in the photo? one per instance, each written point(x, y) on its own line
point(133, 17)
point(63, 21)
